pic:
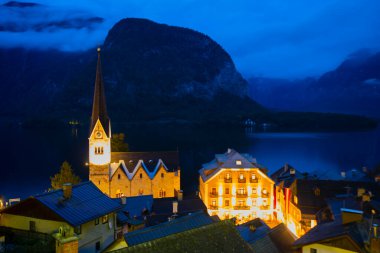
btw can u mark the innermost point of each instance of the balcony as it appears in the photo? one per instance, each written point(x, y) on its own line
point(241, 207)
point(241, 195)
point(242, 180)
point(213, 195)
point(253, 180)
point(228, 180)
point(213, 207)
point(264, 207)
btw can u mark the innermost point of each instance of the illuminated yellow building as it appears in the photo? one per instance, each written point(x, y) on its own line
point(234, 185)
point(120, 174)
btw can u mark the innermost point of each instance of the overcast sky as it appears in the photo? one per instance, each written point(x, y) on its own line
point(272, 38)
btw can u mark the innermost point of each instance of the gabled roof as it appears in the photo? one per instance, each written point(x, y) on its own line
point(87, 203)
point(214, 237)
point(99, 107)
point(135, 205)
point(231, 160)
point(178, 225)
point(264, 239)
point(356, 231)
point(151, 162)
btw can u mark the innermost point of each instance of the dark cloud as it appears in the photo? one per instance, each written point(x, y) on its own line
point(270, 38)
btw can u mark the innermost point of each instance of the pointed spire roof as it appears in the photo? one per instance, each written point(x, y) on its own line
point(99, 107)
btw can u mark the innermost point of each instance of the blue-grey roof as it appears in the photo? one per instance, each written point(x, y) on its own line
point(87, 203)
point(250, 236)
point(178, 225)
point(135, 205)
point(228, 160)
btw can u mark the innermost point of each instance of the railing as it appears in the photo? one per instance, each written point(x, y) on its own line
point(213, 195)
point(242, 180)
point(213, 207)
point(241, 207)
point(251, 180)
point(228, 180)
point(241, 195)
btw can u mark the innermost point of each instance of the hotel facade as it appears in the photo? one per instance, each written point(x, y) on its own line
point(234, 185)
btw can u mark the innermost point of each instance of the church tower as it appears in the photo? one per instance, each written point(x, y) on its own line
point(100, 135)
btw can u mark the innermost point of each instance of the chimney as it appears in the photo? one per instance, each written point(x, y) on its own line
point(175, 207)
point(67, 190)
point(123, 200)
point(351, 215)
point(375, 239)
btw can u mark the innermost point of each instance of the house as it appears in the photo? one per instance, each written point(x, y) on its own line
point(164, 209)
point(347, 233)
point(197, 232)
point(125, 174)
point(235, 185)
point(80, 217)
point(133, 213)
point(264, 239)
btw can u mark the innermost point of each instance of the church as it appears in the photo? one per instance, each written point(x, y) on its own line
point(125, 174)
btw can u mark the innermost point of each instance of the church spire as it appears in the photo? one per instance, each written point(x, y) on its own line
point(99, 107)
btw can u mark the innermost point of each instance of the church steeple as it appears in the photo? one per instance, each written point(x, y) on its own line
point(99, 107)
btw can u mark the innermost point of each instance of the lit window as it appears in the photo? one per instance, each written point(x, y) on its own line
point(141, 192)
point(265, 192)
point(295, 200)
point(254, 202)
point(105, 219)
point(227, 202)
point(241, 191)
point(213, 191)
point(241, 176)
point(254, 191)
point(241, 202)
point(162, 193)
point(253, 176)
point(213, 203)
point(265, 202)
point(238, 162)
point(228, 175)
point(227, 191)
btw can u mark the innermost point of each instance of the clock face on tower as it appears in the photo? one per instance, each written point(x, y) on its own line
point(98, 134)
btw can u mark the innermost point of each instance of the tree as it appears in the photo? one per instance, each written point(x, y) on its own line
point(65, 175)
point(118, 144)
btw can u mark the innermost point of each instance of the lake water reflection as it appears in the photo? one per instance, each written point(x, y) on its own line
point(30, 156)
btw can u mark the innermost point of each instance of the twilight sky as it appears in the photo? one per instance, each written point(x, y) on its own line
point(272, 38)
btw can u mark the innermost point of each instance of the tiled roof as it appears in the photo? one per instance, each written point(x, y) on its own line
point(178, 225)
point(151, 162)
point(264, 239)
point(86, 203)
point(228, 160)
point(134, 207)
point(357, 231)
point(214, 237)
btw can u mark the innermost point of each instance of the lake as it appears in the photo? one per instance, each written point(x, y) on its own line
point(30, 156)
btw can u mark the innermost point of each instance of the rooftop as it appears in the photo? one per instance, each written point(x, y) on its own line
point(86, 203)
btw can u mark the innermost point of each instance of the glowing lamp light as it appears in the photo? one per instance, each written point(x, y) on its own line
point(220, 190)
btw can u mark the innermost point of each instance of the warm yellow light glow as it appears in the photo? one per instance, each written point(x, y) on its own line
point(313, 223)
point(259, 189)
point(233, 201)
point(220, 201)
point(220, 190)
point(249, 190)
point(233, 190)
point(249, 201)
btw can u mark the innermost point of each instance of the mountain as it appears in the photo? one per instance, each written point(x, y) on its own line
point(151, 72)
point(353, 87)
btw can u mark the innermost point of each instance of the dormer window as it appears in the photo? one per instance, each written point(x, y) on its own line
point(253, 176)
point(238, 162)
point(241, 176)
